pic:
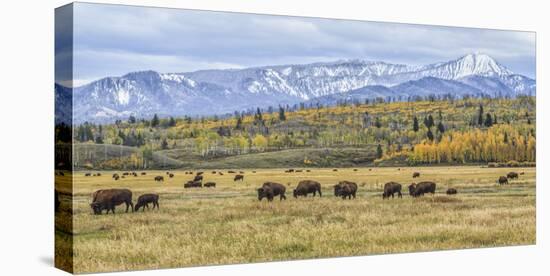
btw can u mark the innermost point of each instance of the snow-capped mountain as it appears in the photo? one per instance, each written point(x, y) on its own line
point(209, 92)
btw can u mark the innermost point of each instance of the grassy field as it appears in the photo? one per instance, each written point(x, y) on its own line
point(227, 224)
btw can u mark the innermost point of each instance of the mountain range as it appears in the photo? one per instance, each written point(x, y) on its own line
point(222, 91)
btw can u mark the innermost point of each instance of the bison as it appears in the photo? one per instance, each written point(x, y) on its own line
point(193, 184)
point(171, 175)
point(512, 175)
point(503, 180)
point(345, 189)
point(115, 175)
point(390, 189)
point(289, 170)
point(220, 173)
point(307, 186)
point(198, 178)
point(159, 178)
point(200, 173)
point(109, 198)
point(143, 173)
point(210, 184)
point(230, 171)
point(423, 188)
point(271, 189)
point(87, 174)
point(144, 200)
point(451, 191)
point(238, 177)
point(416, 174)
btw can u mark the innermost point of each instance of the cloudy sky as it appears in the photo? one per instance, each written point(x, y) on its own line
point(111, 40)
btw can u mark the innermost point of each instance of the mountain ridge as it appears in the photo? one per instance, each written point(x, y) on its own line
point(221, 91)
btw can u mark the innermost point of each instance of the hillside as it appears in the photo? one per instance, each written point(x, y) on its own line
point(409, 133)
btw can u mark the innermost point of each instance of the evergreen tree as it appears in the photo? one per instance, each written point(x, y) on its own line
point(155, 121)
point(431, 122)
point(172, 122)
point(379, 151)
point(415, 124)
point(480, 115)
point(239, 124)
point(440, 128)
point(282, 116)
point(430, 135)
point(132, 119)
point(488, 120)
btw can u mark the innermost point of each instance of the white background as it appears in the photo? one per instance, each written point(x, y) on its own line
point(26, 135)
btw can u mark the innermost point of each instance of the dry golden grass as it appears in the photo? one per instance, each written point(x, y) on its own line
point(228, 224)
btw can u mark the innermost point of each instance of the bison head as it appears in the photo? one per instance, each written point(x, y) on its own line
point(412, 188)
point(261, 194)
point(295, 193)
point(96, 207)
point(337, 190)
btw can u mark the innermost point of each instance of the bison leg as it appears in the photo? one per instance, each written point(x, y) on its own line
point(282, 197)
point(320, 194)
point(399, 194)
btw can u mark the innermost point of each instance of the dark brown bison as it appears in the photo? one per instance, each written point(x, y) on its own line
point(144, 200)
point(192, 184)
point(98, 174)
point(271, 189)
point(200, 173)
point(307, 186)
point(143, 173)
point(521, 173)
point(167, 173)
point(334, 170)
point(354, 170)
point(423, 188)
point(308, 170)
point(87, 174)
point(512, 175)
point(503, 180)
point(159, 178)
point(289, 170)
point(238, 177)
point(345, 189)
point(416, 174)
point(210, 184)
point(56, 200)
point(230, 171)
point(198, 178)
point(109, 198)
point(126, 173)
point(390, 189)
point(213, 172)
point(171, 175)
point(134, 174)
point(451, 191)
point(220, 173)
point(115, 175)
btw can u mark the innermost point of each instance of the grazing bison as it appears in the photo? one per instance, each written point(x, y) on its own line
point(115, 175)
point(87, 174)
point(109, 198)
point(230, 171)
point(390, 189)
point(159, 178)
point(143, 173)
point(334, 170)
point(289, 170)
point(423, 188)
point(171, 175)
point(220, 173)
point(512, 175)
point(308, 170)
point(307, 186)
point(238, 177)
point(503, 180)
point(210, 184)
point(213, 172)
point(416, 174)
point(56, 200)
point(167, 173)
point(126, 173)
point(192, 184)
point(451, 191)
point(197, 178)
point(345, 189)
point(354, 170)
point(144, 200)
point(134, 174)
point(271, 189)
point(521, 173)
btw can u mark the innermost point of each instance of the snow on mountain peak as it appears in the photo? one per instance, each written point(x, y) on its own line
point(480, 64)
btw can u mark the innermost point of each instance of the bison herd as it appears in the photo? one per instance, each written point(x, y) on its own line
point(107, 199)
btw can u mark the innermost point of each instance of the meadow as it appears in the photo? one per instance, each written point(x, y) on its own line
point(227, 224)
